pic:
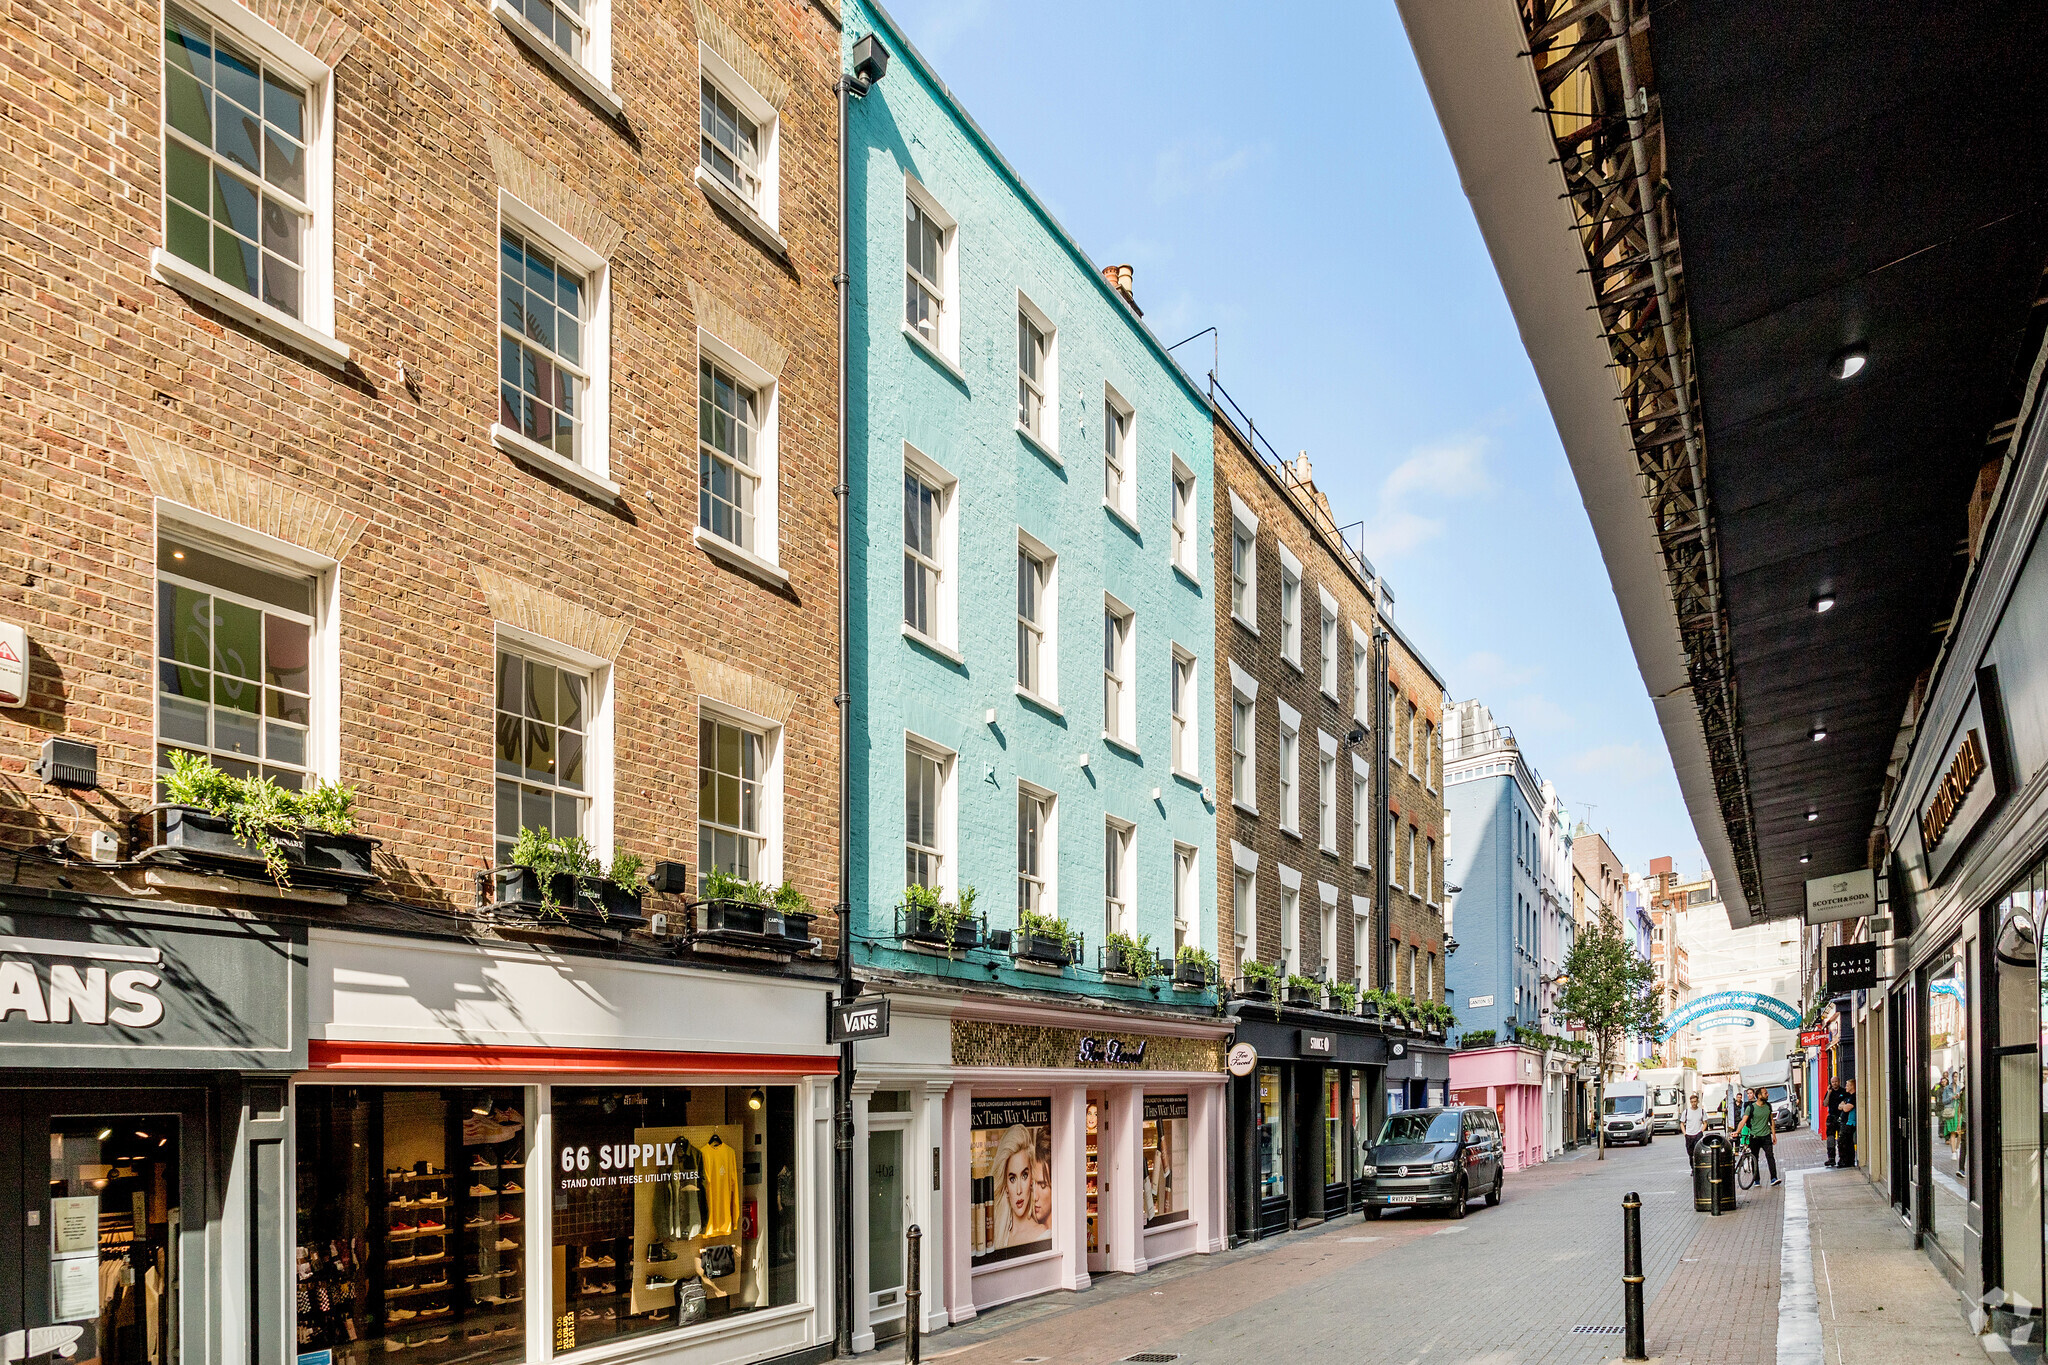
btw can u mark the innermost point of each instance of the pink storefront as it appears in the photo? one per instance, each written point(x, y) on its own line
point(1509, 1081)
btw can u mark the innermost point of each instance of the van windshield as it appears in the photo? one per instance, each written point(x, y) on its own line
point(1622, 1104)
point(1664, 1094)
point(1421, 1127)
point(1775, 1093)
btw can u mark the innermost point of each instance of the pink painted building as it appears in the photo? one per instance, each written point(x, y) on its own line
point(1509, 1081)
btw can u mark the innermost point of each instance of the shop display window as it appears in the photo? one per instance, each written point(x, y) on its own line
point(412, 1217)
point(1010, 1159)
point(1333, 1129)
point(672, 1206)
point(2022, 1084)
point(1272, 1136)
point(1166, 1159)
point(114, 1222)
point(1948, 1065)
point(1362, 1126)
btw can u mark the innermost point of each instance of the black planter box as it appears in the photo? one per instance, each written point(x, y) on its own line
point(1253, 988)
point(611, 905)
point(314, 857)
point(797, 925)
point(731, 917)
point(518, 890)
point(1115, 962)
point(1040, 948)
point(920, 926)
point(1303, 995)
point(1190, 974)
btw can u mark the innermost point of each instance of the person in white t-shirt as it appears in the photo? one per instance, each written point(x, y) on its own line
point(1695, 1123)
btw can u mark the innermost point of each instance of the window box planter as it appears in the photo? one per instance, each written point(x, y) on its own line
point(1115, 962)
point(1302, 995)
point(731, 917)
point(1192, 975)
point(192, 836)
point(515, 893)
point(797, 926)
point(1053, 952)
point(921, 926)
point(1253, 988)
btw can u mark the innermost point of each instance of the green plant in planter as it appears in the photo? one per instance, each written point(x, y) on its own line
point(1038, 924)
point(720, 885)
point(1251, 969)
point(1345, 993)
point(1193, 955)
point(628, 872)
point(257, 809)
point(548, 856)
point(791, 901)
point(1377, 999)
point(1136, 952)
point(1296, 981)
point(945, 917)
point(1477, 1038)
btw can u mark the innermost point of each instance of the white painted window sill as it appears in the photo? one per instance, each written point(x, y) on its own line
point(727, 198)
point(272, 322)
point(1042, 703)
point(1122, 745)
point(1294, 664)
point(923, 641)
point(1247, 626)
point(746, 561)
point(1040, 446)
point(1188, 576)
point(1192, 779)
point(536, 456)
point(567, 67)
point(1123, 517)
point(1248, 810)
point(1332, 696)
point(1291, 831)
point(933, 353)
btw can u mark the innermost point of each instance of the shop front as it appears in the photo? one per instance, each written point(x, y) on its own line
point(1510, 1081)
point(1314, 1090)
point(1074, 1143)
point(508, 1154)
point(146, 1054)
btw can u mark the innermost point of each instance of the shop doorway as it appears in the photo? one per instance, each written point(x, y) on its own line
point(1899, 1110)
point(888, 1213)
point(1098, 1153)
point(98, 1184)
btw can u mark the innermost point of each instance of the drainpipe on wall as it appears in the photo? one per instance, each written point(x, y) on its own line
point(1382, 717)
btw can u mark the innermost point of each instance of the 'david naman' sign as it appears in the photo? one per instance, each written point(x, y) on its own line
point(143, 990)
point(1971, 781)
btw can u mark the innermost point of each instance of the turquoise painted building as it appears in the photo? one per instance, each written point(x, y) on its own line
point(1032, 627)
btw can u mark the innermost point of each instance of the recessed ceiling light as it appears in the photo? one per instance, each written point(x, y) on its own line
point(1820, 732)
point(1824, 601)
point(1806, 857)
point(1812, 816)
point(1849, 362)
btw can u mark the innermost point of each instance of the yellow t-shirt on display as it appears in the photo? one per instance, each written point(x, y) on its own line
point(721, 1189)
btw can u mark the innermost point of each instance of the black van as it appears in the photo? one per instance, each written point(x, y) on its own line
point(1435, 1156)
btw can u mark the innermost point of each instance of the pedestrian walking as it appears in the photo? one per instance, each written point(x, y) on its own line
point(1846, 1123)
point(1831, 1117)
point(1694, 1122)
point(1762, 1132)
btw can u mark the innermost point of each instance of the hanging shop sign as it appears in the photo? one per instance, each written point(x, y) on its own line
point(1851, 895)
point(1852, 967)
point(100, 986)
point(1815, 1037)
point(859, 1020)
point(1244, 1059)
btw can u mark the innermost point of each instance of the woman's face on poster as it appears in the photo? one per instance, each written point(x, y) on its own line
point(1017, 1183)
point(1041, 1193)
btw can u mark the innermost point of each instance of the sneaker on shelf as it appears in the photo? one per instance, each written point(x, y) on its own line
point(511, 1187)
point(443, 1311)
point(514, 1165)
point(480, 1164)
point(589, 1315)
point(400, 1260)
point(507, 1244)
point(658, 1252)
point(591, 1291)
point(481, 1191)
point(432, 1224)
point(402, 1228)
point(605, 1262)
point(508, 1218)
point(441, 1283)
point(657, 1280)
point(400, 1315)
point(477, 1222)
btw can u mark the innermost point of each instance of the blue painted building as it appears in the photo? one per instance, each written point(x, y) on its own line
point(1511, 863)
point(1031, 645)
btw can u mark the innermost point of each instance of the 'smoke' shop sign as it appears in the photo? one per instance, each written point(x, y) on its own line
point(117, 988)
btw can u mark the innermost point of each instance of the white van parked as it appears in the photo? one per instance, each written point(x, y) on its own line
point(1625, 1113)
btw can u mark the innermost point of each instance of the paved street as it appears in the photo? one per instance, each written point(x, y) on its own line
point(1506, 1286)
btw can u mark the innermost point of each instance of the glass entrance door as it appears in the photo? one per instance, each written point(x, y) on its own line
point(1098, 1183)
point(887, 1198)
point(105, 1183)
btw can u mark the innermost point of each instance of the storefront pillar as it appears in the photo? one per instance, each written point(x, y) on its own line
point(863, 1230)
point(956, 1176)
point(1070, 1184)
point(1207, 1163)
point(929, 1198)
point(1124, 1208)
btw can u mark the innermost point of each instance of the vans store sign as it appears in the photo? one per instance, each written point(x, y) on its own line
point(90, 986)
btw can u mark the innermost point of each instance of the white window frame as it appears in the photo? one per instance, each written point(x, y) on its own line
point(1047, 435)
point(1244, 584)
point(1414, 718)
point(591, 469)
point(1120, 729)
point(764, 206)
point(1326, 643)
point(1185, 744)
point(1047, 876)
point(1394, 850)
point(1181, 495)
point(1119, 877)
point(1244, 739)
point(313, 331)
point(1429, 882)
point(1047, 693)
point(946, 339)
point(1432, 762)
point(771, 732)
point(1327, 927)
point(1290, 607)
point(597, 734)
point(1244, 902)
point(1394, 730)
point(1409, 885)
point(590, 70)
point(945, 611)
point(1290, 921)
point(1187, 899)
point(1326, 791)
point(1362, 946)
point(1361, 811)
point(1290, 770)
point(948, 829)
point(1361, 677)
point(1119, 472)
point(271, 555)
point(765, 554)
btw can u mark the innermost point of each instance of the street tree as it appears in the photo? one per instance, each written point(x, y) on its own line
point(1610, 993)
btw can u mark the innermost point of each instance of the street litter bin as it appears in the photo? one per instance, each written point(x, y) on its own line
point(1713, 1175)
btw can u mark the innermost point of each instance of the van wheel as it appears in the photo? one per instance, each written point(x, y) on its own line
point(1500, 1183)
point(1371, 1213)
point(1460, 1199)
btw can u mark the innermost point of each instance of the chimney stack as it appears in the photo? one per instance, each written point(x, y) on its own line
point(1119, 279)
point(1301, 474)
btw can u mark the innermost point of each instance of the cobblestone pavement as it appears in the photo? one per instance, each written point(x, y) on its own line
point(1505, 1286)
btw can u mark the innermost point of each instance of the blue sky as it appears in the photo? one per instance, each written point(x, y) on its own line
point(1287, 182)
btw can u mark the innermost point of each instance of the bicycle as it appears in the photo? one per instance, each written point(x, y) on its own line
point(1746, 1174)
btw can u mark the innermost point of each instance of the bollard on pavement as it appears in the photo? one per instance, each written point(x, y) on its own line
point(1632, 1275)
point(913, 1312)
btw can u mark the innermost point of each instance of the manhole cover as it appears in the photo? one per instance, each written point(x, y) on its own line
point(1154, 1357)
point(1585, 1331)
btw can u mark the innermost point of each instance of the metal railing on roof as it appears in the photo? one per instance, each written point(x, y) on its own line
point(1348, 542)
